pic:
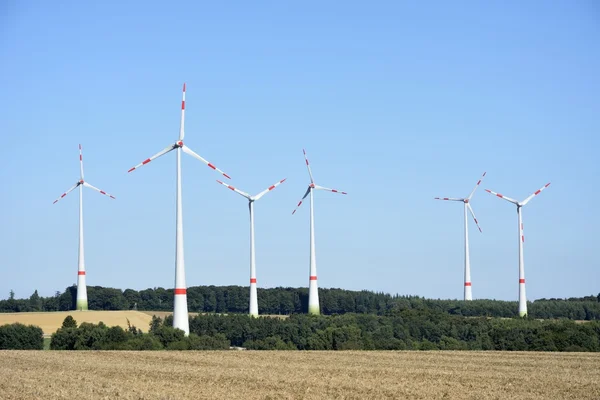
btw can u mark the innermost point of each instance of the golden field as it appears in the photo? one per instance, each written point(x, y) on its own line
point(51, 321)
point(298, 375)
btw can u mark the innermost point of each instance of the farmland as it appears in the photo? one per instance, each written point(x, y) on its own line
point(298, 375)
point(51, 321)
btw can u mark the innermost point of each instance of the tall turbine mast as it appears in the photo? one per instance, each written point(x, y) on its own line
point(180, 310)
point(82, 303)
point(522, 295)
point(468, 295)
point(253, 308)
point(313, 288)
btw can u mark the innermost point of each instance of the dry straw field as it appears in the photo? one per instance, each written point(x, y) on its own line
point(298, 375)
point(51, 321)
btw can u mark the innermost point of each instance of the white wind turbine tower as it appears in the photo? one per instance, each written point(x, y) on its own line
point(467, 205)
point(180, 310)
point(82, 303)
point(313, 288)
point(522, 295)
point(251, 200)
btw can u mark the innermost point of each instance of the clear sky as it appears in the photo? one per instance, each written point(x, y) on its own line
point(395, 102)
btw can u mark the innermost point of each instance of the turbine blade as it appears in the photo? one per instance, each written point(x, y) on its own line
point(502, 197)
point(330, 190)
point(448, 198)
point(98, 190)
point(261, 194)
point(308, 166)
point(160, 153)
point(80, 164)
point(476, 186)
point(67, 192)
point(474, 218)
point(196, 156)
point(182, 125)
point(535, 194)
point(246, 195)
point(300, 202)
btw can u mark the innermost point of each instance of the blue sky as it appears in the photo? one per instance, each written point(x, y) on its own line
point(395, 102)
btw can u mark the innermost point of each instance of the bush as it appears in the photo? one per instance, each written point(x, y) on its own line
point(69, 322)
point(168, 334)
point(64, 339)
point(21, 337)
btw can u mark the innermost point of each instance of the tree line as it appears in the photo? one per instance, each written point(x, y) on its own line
point(398, 330)
point(287, 301)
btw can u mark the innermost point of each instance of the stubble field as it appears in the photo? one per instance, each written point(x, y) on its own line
point(51, 321)
point(298, 375)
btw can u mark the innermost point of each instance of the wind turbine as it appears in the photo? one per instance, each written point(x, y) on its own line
point(466, 201)
point(82, 303)
point(522, 295)
point(251, 200)
point(180, 310)
point(313, 289)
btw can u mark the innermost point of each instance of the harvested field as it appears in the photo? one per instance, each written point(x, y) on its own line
point(298, 375)
point(163, 314)
point(51, 321)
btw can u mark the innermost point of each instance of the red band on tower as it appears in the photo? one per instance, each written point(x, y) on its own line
point(313, 277)
point(180, 291)
point(80, 272)
point(252, 280)
point(467, 283)
point(521, 280)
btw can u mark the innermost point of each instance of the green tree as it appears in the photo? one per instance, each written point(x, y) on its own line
point(69, 322)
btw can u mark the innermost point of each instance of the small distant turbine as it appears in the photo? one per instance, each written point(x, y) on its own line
point(522, 295)
point(468, 295)
point(313, 289)
point(180, 308)
point(251, 200)
point(82, 303)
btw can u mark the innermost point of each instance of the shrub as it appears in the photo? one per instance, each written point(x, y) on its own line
point(21, 337)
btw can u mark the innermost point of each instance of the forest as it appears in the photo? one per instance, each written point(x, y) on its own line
point(399, 330)
point(288, 301)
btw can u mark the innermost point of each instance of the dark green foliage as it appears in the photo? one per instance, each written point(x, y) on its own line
point(69, 322)
point(399, 330)
point(167, 335)
point(286, 301)
point(100, 337)
point(155, 323)
point(21, 337)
